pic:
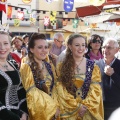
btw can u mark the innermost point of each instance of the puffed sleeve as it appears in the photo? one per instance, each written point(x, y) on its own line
point(40, 105)
point(94, 101)
point(68, 104)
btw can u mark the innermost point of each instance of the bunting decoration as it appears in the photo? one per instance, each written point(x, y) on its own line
point(53, 18)
point(93, 25)
point(32, 20)
point(16, 22)
point(64, 22)
point(75, 23)
point(9, 12)
point(29, 11)
point(46, 21)
point(118, 23)
point(110, 23)
point(86, 24)
point(20, 15)
point(68, 5)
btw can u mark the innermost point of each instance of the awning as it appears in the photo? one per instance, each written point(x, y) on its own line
point(88, 10)
point(93, 10)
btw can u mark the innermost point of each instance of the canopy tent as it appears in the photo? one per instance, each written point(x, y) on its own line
point(79, 29)
point(103, 17)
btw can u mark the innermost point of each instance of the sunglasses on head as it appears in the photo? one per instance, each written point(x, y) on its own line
point(96, 41)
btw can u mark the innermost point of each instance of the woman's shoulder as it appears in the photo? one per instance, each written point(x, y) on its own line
point(24, 66)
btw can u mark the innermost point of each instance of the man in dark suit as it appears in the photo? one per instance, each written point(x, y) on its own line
point(110, 73)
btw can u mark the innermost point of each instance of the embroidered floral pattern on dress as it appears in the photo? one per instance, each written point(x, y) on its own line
point(86, 85)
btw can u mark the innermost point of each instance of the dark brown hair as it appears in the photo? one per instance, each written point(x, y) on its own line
point(67, 67)
point(94, 36)
point(34, 65)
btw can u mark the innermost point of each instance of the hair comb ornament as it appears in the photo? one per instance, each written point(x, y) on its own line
point(4, 28)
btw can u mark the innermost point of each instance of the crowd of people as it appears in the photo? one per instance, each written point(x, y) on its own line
point(72, 79)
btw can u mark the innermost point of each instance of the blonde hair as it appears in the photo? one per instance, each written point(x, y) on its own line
point(5, 33)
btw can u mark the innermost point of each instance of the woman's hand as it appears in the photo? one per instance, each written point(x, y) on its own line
point(82, 110)
point(23, 52)
point(24, 117)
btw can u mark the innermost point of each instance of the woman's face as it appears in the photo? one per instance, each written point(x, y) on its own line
point(40, 49)
point(96, 44)
point(78, 47)
point(5, 46)
point(17, 43)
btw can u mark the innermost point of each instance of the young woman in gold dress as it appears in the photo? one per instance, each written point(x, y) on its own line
point(78, 87)
point(38, 79)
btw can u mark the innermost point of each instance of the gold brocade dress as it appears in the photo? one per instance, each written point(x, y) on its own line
point(41, 106)
point(69, 105)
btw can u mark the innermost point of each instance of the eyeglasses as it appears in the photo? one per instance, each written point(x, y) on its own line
point(96, 41)
point(59, 41)
point(108, 47)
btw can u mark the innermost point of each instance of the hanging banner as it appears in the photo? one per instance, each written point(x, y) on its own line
point(32, 21)
point(49, 1)
point(64, 22)
point(75, 23)
point(16, 22)
point(118, 23)
point(53, 20)
point(3, 7)
point(110, 23)
point(86, 23)
point(20, 15)
point(29, 11)
point(46, 20)
point(3, 14)
point(93, 25)
point(26, 1)
point(68, 5)
point(9, 12)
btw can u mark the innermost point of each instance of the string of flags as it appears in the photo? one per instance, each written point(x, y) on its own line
point(47, 20)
